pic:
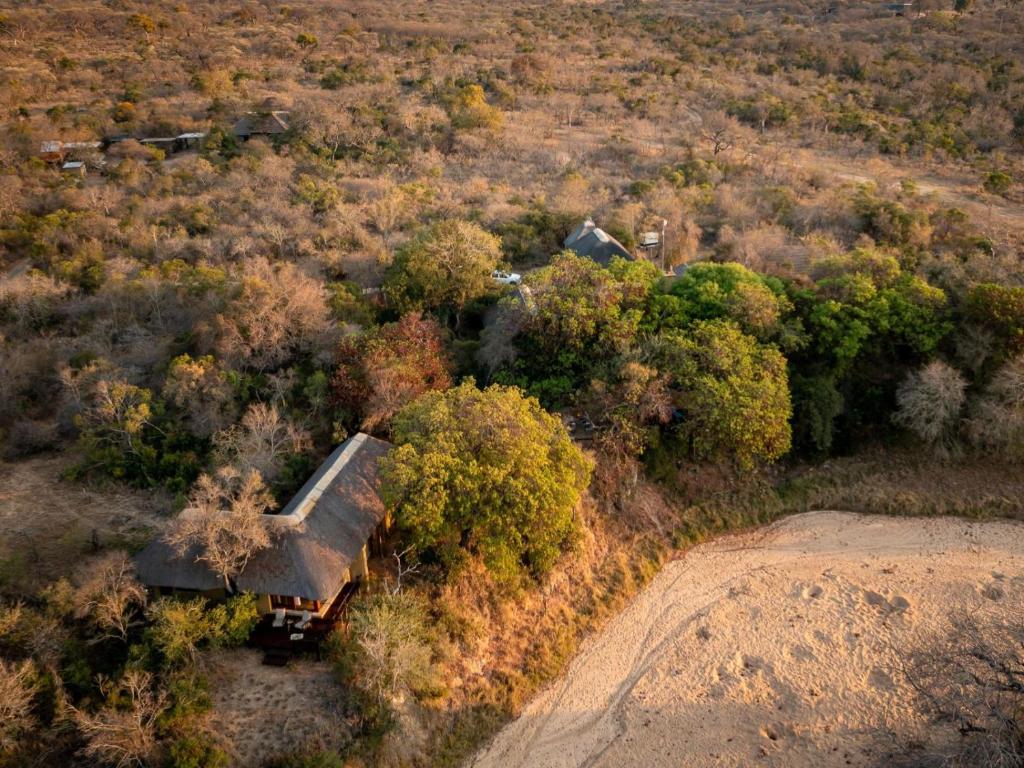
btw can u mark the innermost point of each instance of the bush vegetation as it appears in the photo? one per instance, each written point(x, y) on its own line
point(838, 300)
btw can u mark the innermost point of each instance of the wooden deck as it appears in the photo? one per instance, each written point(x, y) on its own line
point(271, 638)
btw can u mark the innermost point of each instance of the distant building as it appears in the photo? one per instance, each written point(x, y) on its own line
point(60, 151)
point(52, 151)
point(320, 548)
point(172, 144)
point(594, 243)
point(899, 9)
point(272, 123)
point(75, 167)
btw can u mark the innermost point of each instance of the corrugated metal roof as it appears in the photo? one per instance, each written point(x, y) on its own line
point(318, 535)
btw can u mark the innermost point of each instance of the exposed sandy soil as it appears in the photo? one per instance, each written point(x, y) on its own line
point(47, 522)
point(262, 712)
point(780, 647)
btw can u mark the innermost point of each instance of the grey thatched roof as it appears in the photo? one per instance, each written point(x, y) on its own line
point(261, 123)
point(317, 535)
point(593, 242)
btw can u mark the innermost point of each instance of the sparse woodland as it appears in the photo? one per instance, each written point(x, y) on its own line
point(847, 186)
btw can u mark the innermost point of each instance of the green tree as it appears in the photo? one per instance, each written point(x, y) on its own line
point(126, 432)
point(179, 629)
point(709, 291)
point(306, 40)
point(866, 306)
point(578, 315)
point(732, 390)
point(997, 183)
point(486, 473)
point(443, 267)
point(196, 752)
point(469, 109)
point(999, 309)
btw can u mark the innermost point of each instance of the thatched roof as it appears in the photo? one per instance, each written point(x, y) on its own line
point(319, 534)
point(261, 124)
point(593, 242)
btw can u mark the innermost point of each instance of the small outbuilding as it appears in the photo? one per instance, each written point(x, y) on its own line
point(594, 243)
point(74, 167)
point(320, 548)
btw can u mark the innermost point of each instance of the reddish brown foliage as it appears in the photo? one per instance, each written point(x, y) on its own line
point(382, 370)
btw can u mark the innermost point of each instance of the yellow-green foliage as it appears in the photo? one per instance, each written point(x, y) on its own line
point(485, 472)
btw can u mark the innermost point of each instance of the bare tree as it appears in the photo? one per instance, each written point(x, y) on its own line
point(930, 403)
point(278, 311)
point(335, 127)
point(997, 423)
point(199, 387)
point(973, 679)
point(17, 688)
point(108, 594)
point(225, 520)
point(390, 211)
point(720, 132)
point(125, 735)
point(261, 441)
point(403, 569)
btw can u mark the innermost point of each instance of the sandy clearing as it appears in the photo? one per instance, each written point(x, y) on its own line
point(47, 522)
point(779, 647)
point(261, 712)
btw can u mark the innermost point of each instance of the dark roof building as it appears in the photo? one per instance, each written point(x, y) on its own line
point(594, 243)
point(319, 542)
point(261, 124)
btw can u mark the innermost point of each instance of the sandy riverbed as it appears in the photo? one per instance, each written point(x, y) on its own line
point(780, 647)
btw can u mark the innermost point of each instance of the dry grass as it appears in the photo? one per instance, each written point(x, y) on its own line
point(262, 711)
point(904, 483)
point(47, 522)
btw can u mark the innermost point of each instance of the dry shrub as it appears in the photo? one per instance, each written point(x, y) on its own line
point(124, 735)
point(930, 403)
point(17, 688)
point(759, 248)
point(31, 300)
point(973, 679)
point(997, 423)
point(278, 312)
point(28, 436)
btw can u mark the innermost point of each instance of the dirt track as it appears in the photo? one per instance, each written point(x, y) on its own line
point(781, 647)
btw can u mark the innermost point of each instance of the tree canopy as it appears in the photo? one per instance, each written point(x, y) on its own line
point(383, 369)
point(575, 317)
point(708, 291)
point(487, 473)
point(443, 267)
point(732, 390)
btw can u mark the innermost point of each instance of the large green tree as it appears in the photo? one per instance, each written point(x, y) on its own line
point(708, 291)
point(577, 315)
point(869, 322)
point(487, 473)
point(732, 390)
point(443, 267)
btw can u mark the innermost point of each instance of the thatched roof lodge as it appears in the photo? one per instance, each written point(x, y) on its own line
point(272, 123)
point(594, 243)
point(320, 545)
